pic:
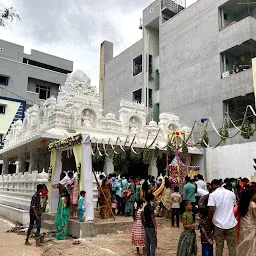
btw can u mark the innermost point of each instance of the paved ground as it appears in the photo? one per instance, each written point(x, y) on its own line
point(102, 245)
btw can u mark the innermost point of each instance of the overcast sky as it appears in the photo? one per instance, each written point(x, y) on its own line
point(74, 29)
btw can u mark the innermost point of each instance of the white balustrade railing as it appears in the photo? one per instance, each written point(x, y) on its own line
point(16, 190)
point(22, 182)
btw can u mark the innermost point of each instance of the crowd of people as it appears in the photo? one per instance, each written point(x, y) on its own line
point(117, 194)
point(221, 210)
point(226, 211)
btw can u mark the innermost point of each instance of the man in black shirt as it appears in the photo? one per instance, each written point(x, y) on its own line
point(35, 215)
point(149, 222)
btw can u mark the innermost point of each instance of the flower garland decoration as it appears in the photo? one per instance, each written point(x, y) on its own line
point(247, 130)
point(78, 167)
point(184, 146)
point(60, 144)
point(146, 159)
point(206, 139)
point(156, 152)
point(119, 159)
point(224, 131)
point(170, 149)
point(50, 174)
point(135, 157)
point(96, 158)
point(194, 168)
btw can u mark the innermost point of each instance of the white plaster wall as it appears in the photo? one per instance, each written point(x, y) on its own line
point(231, 161)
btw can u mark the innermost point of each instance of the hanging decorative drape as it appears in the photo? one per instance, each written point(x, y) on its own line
point(51, 172)
point(77, 149)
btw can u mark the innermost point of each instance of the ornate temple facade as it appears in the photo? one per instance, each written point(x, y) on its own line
point(76, 109)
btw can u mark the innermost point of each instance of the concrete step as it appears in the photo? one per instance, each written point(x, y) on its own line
point(48, 216)
point(48, 224)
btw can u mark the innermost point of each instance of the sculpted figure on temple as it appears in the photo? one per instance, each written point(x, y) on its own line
point(87, 119)
point(134, 125)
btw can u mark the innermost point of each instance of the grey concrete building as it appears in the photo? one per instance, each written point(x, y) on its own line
point(194, 61)
point(25, 79)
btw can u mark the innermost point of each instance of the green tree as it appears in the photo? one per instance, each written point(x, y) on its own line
point(8, 14)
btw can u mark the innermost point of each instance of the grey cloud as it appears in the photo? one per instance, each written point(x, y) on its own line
point(83, 22)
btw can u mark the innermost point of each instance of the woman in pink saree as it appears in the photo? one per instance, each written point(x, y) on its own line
point(247, 224)
point(74, 197)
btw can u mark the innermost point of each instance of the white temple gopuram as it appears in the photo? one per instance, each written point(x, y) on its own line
point(77, 109)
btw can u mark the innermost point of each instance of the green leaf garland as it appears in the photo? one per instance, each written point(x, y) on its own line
point(247, 130)
point(135, 157)
point(146, 157)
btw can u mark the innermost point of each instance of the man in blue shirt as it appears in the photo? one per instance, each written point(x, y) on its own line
point(189, 194)
point(119, 197)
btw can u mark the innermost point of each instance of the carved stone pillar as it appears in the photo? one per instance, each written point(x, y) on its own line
point(152, 168)
point(33, 161)
point(5, 167)
point(21, 164)
point(108, 165)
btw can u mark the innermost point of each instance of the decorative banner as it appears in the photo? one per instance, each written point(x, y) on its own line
point(77, 149)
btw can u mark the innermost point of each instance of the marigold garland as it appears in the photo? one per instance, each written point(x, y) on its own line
point(60, 144)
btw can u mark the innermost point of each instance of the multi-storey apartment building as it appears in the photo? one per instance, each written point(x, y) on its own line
point(25, 79)
point(194, 61)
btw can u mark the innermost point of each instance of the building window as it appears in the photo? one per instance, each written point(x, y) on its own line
point(137, 65)
point(137, 96)
point(4, 80)
point(44, 92)
point(2, 108)
point(157, 80)
point(156, 112)
point(236, 108)
point(149, 101)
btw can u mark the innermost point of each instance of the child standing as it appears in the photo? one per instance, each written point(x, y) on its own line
point(206, 233)
point(138, 231)
point(149, 222)
point(81, 206)
point(176, 199)
point(187, 243)
point(113, 203)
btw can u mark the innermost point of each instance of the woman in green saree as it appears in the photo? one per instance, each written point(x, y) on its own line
point(130, 199)
point(62, 216)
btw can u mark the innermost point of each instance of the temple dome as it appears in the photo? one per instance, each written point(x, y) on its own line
point(110, 116)
point(152, 123)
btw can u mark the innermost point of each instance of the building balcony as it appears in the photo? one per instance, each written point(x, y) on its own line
point(170, 8)
point(234, 11)
point(236, 85)
point(237, 34)
point(238, 59)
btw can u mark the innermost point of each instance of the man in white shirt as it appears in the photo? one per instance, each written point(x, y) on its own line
point(201, 183)
point(221, 212)
point(201, 192)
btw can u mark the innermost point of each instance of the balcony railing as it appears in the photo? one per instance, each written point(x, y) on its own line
point(174, 6)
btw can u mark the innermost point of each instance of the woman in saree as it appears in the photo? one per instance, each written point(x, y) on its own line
point(130, 199)
point(247, 214)
point(62, 216)
point(137, 190)
point(105, 199)
point(74, 196)
point(166, 204)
